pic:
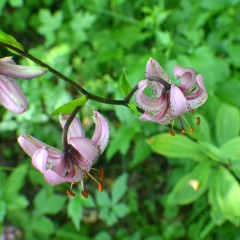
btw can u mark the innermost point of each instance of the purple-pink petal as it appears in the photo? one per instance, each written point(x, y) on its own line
point(199, 96)
point(9, 68)
point(88, 151)
point(178, 102)
point(187, 76)
point(75, 129)
point(147, 103)
point(101, 133)
point(11, 96)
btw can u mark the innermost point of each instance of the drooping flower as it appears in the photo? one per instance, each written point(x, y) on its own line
point(11, 96)
point(170, 101)
point(75, 162)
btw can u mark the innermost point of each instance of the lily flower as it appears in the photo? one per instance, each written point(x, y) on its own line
point(170, 101)
point(11, 96)
point(75, 162)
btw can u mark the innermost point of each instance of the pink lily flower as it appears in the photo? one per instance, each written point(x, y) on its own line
point(72, 164)
point(11, 96)
point(170, 101)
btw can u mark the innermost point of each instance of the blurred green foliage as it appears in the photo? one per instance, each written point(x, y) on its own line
point(148, 173)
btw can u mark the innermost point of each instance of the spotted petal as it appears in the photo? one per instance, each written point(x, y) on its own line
point(11, 96)
point(88, 151)
point(187, 76)
point(146, 103)
point(101, 133)
point(178, 102)
point(9, 68)
point(199, 96)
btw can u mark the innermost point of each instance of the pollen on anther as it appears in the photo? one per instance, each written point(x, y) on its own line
point(84, 194)
point(101, 173)
point(198, 121)
point(183, 130)
point(100, 187)
point(70, 193)
point(171, 132)
point(191, 130)
point(86, 175)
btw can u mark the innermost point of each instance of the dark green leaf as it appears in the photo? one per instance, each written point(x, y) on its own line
point(124, 84)
point(119, 188)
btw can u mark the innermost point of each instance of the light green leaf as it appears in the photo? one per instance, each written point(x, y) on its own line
point(124, 84)
point(102, 236)
point(227, 123)
point(70, 106)
point(48, 203)
point(119, 188)
point(225, 193)
point(184, 192)
point(121, 210)
point(231, 149)
point(75, 210)
point(10, 40)
point(133, 108)
point(212, 152)
point(178, 146)
point(103, 199)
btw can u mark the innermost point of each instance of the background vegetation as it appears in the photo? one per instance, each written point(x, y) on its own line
point(147, 192)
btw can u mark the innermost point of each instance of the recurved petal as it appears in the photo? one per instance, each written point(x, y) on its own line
point(88, 150)
point(199, 96)
point(31, 144)
point(75, 129)
point(8, 68)
point(146, 103)
point(187, 76)
point(39, 159)
point(101, 133)
point(11, 96)
point(178, 102)
point(153, 69)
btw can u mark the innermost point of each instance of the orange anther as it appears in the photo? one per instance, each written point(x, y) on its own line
point(198, 121)
point(100, 187)
point(86, 175)
point(183, 130)
point(70, 193)
point(171, 132)
point(191, 130)
point(84, 194)
point(101, 173)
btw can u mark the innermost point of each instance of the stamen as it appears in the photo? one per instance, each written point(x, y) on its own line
point(86, 175)
point(171, 132)
point(70, 193)
point(101, 173)
point(191, 130)
point(84, 194)
point(198, 121)
point(100, 187)
point(93, 178)
point(183, 130)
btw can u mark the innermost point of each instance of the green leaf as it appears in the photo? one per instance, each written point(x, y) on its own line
point(16, 3)
point(231, 149)
point(102, 236)
point(10, 40)
point(75, 210)
point(225, 193)
point(48, 203)
point(3, 210)
point(42, 225)
point(103, 199)
point(178, 146)
point(119, 188)
point(15, 181)
point(227, 123)
point(70, 106)
point(184, 192)
point(121, 210)
point(212, 152)
point(133, 108)
point(124, 84)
